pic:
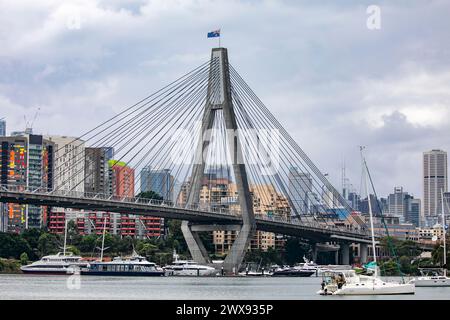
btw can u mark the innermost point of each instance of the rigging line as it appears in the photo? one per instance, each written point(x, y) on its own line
point(238, 88)
point(259, 182)
point(112, 138)
point(246, 117)
point(206, 110)
point(201, 103)
point(163, 145)
point(194, 97)
point(137, 103)
point(117, 134)
point(159, 115)
point(297, 190)
point(286, 136)
point(293, 143)
point(243, 120)
point(318, 174)
point(159, 127)
point(278, 182)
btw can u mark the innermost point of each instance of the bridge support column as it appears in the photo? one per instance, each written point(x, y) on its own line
point(219, 97)
point(345, 253)
point(363, 252)
point(194, 243)
point(314, 253)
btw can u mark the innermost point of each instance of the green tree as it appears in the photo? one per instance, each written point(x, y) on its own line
point(24, 258)
point(150, 195)
point(48, 243)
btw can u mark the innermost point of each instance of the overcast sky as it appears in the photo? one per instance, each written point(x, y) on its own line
point(332, 82)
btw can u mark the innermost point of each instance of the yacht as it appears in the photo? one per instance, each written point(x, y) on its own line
point(58, 263)
point(432, 278)
point(293, 272)
point(135, 265)
point(188, 268)
point(347, 282)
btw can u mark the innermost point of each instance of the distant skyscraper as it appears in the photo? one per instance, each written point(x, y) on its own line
point(2, 128)
point(159, 181)
point(300, 190)
point(435, 179)
point(412, 213)
point(397, 203)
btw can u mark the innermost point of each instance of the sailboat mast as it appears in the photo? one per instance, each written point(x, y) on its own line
point(443, 231)
point(103, 239)
point(65, 237)
point(370, 211)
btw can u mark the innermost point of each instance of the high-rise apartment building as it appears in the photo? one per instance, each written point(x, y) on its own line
point(96, 170)
point(435, 180)
point(159, 181)
point(26, 161)
point(300, 190)
point(68, 175)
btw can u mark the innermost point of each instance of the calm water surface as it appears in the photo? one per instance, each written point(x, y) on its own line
point(90, 287)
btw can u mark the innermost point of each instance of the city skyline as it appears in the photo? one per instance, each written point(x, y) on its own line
point(76, 86)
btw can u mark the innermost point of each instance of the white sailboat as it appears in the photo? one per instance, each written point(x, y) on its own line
point(436, 280)
point(349, 283)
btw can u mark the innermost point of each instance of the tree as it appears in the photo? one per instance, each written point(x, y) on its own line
point(150, 195)
point(295, 250)
point(48, 243)
point(24, 258)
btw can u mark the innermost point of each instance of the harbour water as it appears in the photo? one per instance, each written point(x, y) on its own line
point(20, 286)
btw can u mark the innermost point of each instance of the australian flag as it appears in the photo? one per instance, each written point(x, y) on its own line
point(214, 34)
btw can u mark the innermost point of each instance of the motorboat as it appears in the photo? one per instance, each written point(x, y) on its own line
point(58, 263)
point(292, 272)
point(348, 282)
point(188, 268)
point(431, 278)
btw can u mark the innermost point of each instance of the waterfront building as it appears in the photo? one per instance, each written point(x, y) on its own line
point(26, 161)
point(435, 179)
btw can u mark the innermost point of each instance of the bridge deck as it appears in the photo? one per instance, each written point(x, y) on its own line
point(303, 229)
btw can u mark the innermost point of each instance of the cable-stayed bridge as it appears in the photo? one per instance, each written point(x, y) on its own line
point(232, 167)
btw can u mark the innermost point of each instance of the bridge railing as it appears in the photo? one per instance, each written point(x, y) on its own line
point(199, 207)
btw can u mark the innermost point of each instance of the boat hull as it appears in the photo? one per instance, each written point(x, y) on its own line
point(391, 289)
point(293, 273)
point(432, 282)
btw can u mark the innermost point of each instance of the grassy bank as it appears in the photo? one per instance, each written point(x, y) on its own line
point(9, 266)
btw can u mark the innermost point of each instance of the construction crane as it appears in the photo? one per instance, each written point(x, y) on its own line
point(28, 125)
